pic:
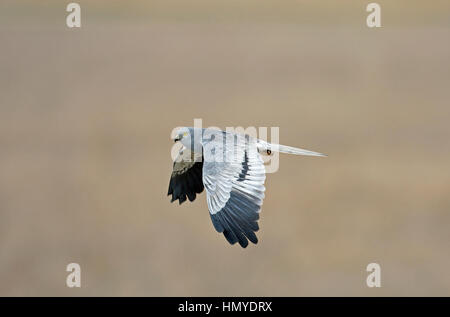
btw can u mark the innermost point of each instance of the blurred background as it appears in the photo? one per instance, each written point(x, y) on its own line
point(85, 122)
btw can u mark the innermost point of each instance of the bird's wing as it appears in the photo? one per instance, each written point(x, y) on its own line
point(234, 185)
point(186, 178)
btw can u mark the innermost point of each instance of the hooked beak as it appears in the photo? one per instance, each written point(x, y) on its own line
point(176, 138)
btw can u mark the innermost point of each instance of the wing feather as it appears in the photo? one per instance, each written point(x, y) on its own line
point(234, 187)
point(186, 179)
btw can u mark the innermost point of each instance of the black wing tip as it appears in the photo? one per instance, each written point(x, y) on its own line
point(186, 185)
point(243, 243)
point(237, 220)
point(181, 199)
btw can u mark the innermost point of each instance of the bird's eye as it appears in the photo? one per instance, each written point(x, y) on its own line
point(185, 134)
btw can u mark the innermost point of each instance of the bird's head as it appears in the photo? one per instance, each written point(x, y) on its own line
point(191, 138)
point(181, 133)
point(184, 136)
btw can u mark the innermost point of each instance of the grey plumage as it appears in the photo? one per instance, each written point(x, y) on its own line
point(232, 172)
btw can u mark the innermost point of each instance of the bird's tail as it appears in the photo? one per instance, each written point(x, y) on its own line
point(269, 147)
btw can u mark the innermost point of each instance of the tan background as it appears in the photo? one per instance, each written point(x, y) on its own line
point(85, 118)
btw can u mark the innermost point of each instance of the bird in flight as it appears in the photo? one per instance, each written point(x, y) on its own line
point(230, 167)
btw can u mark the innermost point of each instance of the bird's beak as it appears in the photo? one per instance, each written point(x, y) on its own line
point(176, 138)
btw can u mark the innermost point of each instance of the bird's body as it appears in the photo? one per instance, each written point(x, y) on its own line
point(230, 167)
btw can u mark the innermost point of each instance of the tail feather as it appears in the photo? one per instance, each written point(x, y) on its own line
point(294, 150)
point(287, 149)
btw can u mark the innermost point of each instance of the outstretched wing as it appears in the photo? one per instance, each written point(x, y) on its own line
point(186, 178)
point(233, 175)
